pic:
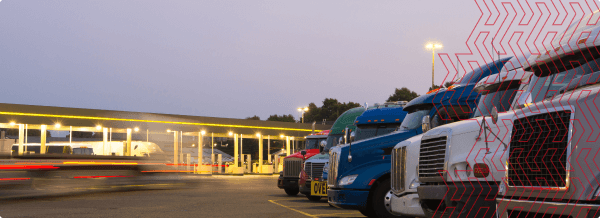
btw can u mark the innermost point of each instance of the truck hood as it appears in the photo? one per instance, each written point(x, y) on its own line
point(309, 153)
point(317, 157)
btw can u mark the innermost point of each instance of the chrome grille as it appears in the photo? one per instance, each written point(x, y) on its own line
point(308, 169)
point(539, 149)
point(292, 167)
point(315, 170)
point(432, 157)
point(333, 169)
point(398, 170)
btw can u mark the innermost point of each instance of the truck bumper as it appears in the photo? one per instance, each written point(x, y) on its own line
point(305, 189)
point(462, 200)
point(407, 205)
point(348, 199)
point(519, 208)
point(287, 182)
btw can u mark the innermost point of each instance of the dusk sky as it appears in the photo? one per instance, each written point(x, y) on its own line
point(222, 58)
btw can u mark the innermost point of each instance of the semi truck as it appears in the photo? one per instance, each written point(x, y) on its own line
point(377, 120)
point(444, 157)
point(292, 165)
point(551, 167)
point(359, 174)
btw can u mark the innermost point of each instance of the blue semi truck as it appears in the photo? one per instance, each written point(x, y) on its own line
point(377, 120)
point(359, 172)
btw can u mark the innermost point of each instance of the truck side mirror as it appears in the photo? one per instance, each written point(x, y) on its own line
point(303, 152)
point(523, 100)
point(425, 123)
point(323, 144)
point(352, 135)
point(494, 115)
point(347, 135)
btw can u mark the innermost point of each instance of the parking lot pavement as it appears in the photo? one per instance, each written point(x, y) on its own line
point(301, 205)
point(222, 196)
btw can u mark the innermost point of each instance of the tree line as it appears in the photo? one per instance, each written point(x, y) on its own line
point(332, 108)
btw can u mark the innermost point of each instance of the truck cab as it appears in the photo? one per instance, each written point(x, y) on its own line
point(453, 161)
point(359, 174)
point(377, 120)
point(292, 164)
point(550, 166)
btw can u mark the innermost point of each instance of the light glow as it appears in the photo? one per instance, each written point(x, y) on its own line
point(98, 127)
point(230, 133)
point(433, 46)
point(12, 123)
point(202, 132)
point(57, 125)
point(136, 129)
point(150, 121)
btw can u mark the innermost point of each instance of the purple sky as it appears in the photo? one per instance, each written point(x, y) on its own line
point(222, 58)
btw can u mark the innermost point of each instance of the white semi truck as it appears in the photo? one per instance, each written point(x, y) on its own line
point(551, 168)
point(455, 149)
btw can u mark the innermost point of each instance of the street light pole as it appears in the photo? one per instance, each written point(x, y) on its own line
point(433, 46)
point(432, 67)
point(302, 111)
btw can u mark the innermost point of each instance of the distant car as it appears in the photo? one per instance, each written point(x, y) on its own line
point(83, 150)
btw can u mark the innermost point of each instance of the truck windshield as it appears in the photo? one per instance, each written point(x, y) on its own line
point(546, 86)
point(499, 97)
point(371, 130)
point(313, 143)
point(332, 141)
point(413, 120)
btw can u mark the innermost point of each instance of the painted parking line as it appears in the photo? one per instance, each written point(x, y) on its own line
point(314, 215)
point(303, 213)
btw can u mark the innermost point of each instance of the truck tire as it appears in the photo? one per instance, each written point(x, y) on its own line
point(378, 201)
point(368, 213)
point(432, 212)
point(313, 198)
point(292, 192)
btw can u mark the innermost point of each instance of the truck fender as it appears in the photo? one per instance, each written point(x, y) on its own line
point(367, 173)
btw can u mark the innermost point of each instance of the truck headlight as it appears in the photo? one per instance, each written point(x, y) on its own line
point(414, 184)
point(348, 180)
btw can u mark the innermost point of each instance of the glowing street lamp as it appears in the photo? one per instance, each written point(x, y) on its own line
point(302, 111)
point(433, 46)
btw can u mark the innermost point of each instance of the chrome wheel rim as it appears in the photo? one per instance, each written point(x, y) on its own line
point(387, 201)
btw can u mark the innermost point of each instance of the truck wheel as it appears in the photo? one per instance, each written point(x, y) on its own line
point(368, 213)
point(381, 198)
point(313, 198)
point(429, 212)
point(292, 192)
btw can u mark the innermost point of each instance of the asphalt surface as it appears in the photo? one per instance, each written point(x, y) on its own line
point(217, 196)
